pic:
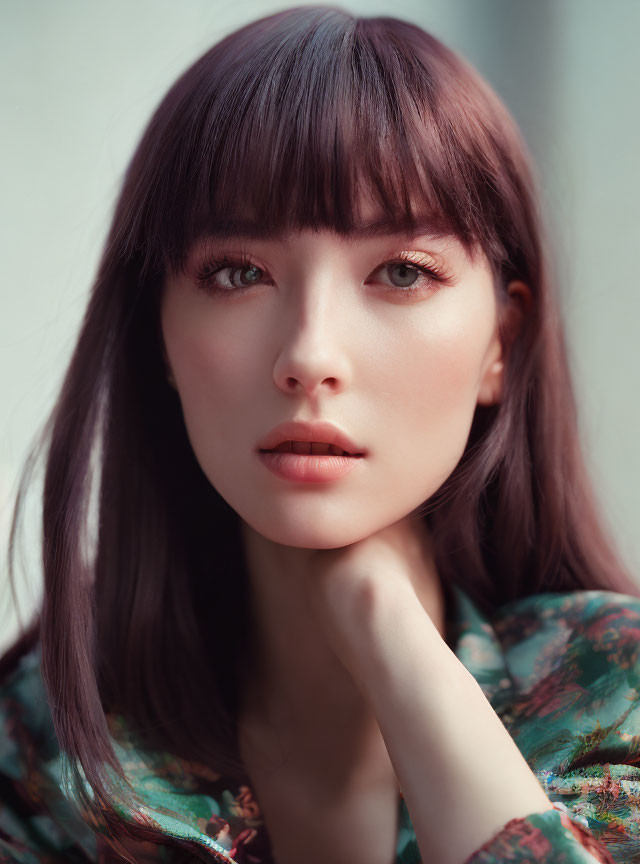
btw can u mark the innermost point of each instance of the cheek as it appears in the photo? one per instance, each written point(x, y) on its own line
point(209, 355)
point(214, 367)
point(435, 367)
point(429, 381)
point(449, 371)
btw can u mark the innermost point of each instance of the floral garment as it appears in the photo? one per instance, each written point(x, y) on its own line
point(561, 670)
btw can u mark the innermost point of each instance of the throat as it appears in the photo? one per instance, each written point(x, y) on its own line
point(338, 802)
point(333, 744)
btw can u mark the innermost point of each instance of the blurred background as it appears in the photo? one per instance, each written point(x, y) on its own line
point(79, 80)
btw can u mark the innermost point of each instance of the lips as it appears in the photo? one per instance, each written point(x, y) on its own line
point(311, 438)
point(311, 448)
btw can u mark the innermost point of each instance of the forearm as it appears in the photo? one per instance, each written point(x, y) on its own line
point(461, 773)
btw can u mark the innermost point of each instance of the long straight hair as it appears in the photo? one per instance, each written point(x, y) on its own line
point(290, 119)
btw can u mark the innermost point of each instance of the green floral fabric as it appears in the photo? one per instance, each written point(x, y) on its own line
point(561, 670)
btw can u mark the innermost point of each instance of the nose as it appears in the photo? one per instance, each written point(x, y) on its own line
point(314, 356)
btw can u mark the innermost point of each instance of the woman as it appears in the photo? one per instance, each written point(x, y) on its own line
point(253, 645)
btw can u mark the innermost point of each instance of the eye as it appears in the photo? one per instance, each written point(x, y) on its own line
point(406, 274)
point(410, 273)
point(243, 273)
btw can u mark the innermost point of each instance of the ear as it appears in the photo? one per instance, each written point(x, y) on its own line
point(513, 314)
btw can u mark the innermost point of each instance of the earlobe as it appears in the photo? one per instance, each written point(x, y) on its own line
point(490, 391)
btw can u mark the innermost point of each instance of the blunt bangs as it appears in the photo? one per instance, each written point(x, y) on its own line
point(295, 125)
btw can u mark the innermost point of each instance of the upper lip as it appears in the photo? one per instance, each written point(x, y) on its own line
point(319, 431)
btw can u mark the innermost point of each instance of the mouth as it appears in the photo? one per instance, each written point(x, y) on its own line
point(311, 448)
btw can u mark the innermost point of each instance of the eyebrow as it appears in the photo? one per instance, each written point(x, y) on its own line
point(382, 228)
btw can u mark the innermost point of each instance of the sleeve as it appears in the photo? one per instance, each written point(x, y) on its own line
point(595, 818)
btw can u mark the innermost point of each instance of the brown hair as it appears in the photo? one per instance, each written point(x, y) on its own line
point(288, 117)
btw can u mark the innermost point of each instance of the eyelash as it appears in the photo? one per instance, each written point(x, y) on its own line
point(212, 266)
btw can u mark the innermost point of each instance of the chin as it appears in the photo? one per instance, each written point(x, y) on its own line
point(289, 532)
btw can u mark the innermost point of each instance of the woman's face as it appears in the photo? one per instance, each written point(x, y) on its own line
point(318, 327)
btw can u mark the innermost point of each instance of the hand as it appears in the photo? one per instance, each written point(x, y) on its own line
point(450, 752)
point(361, 593)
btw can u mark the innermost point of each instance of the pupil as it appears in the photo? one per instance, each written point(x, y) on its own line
point(408, 276)
point(253, 272)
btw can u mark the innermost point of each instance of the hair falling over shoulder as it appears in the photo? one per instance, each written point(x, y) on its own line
point(291, 116)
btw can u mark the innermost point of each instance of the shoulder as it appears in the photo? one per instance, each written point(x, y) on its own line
point(596, 630)
point(574, 663)
point(573, 606)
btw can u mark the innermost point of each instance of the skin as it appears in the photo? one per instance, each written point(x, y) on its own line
point(320, 337)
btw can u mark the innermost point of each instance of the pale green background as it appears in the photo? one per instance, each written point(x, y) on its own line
point(78, 82)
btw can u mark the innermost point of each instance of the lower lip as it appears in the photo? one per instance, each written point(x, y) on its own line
point(308, 469)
